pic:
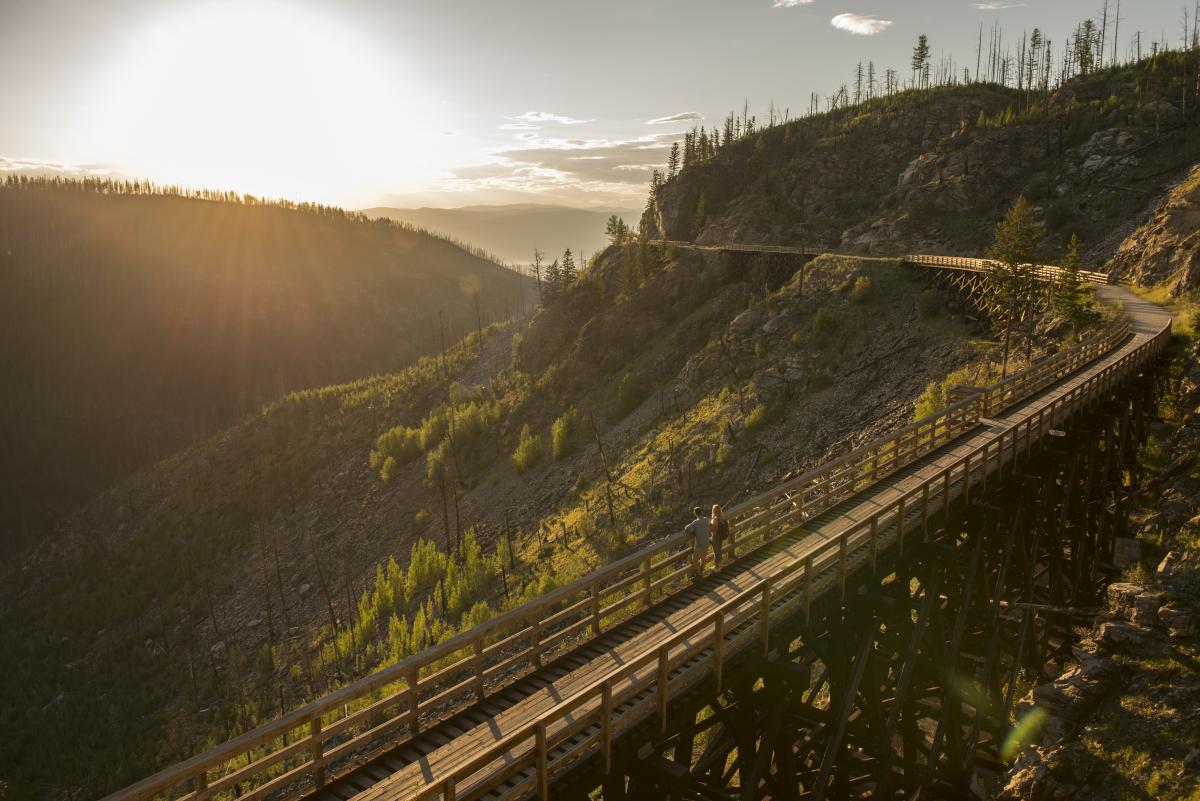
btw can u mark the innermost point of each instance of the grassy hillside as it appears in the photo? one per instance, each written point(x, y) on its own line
point(133, 322)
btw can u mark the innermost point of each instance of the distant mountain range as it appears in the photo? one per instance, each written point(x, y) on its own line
point(513, 231)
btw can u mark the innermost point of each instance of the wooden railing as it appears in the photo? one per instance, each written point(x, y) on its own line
point(380, 709)
point(587, 723)
point(1042, 272)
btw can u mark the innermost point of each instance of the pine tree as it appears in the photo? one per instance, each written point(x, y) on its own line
point(553, 283)
point(1011, 281)
point(568, 270)
point(920, 60)
point(1069, 295)
point(673, 161)
point(616, 230)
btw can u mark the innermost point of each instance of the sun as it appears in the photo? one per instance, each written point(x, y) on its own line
point(263, 99)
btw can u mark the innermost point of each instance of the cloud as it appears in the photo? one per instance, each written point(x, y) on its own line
point(545, 116)
point(791, 3)
point(519, 126)
point(994, 6)
point(49, 168)
point(861, 24)
point(682, 116)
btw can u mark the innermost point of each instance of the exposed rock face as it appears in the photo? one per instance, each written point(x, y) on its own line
point(1166, 249)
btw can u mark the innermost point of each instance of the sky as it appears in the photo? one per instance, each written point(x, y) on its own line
point(448, 103)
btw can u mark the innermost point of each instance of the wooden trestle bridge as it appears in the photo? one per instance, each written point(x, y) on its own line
point(867, 640)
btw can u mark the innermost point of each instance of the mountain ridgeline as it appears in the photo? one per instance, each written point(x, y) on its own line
point(345, 527)
point(933, 170)
point(136, 320)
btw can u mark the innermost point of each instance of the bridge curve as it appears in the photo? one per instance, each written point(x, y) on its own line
point(503, 711)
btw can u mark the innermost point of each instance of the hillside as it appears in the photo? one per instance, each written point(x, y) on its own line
point(187, 602)
point(134, 322)
point(346, 526)
point(932, 171)
point(513, 231)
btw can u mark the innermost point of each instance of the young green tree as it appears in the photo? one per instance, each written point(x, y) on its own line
point(673, 161)
point(529, 450)
point(1069, 295)
point(1011, 281)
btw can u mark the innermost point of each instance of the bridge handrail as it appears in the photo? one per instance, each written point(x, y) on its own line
point(780, 585)
point(1043, 272)
point(498, 648)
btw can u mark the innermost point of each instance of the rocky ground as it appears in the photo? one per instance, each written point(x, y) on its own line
point(1124, 721)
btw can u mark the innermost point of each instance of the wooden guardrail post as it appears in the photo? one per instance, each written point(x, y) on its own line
point(449, 791)
point(646, 581)
point(718, 648)
point(873, 546)
point(414, 699)
point(606, 713)
point(596, 607)
point(900, 523)
point(316, 750)
point(766, 617)
point(925, 510)
point(200, 784)
point(479, 666)
point(535, 640)
point(663, 665)
point(967, 479)
point(842, 568)
point(808, 587)
point(543, 768)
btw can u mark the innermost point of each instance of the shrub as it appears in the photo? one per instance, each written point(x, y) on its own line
point(863, 290)
point(389, 469)
point(758, 417)
point(824, 321)
point(399, 445)
point(562, 433)
point(529, 450)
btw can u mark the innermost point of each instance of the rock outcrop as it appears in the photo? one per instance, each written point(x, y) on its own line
point(1166, 249)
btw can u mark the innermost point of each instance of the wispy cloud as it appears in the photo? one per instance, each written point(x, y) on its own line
point(33, 167)
point(861, 24)
point(519, 126)
point(791, 3)
point(546, 117)
point(682, 116)
point(994, 6)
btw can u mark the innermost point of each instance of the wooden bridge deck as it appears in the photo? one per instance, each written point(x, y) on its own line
point(419, 768)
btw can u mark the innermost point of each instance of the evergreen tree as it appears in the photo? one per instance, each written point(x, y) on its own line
point(554, 282)
point(701, 212)
point(616, 230)
point(568, 271)
point(673, 161)
point(1069, 295)
point(920, 60)
point(1011, 281)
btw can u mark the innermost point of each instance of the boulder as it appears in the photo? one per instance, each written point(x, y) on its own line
point(1121, 635)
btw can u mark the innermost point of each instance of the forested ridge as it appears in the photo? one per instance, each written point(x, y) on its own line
point(137, 318)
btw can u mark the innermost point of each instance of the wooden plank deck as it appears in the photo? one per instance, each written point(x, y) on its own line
point(418, 769)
